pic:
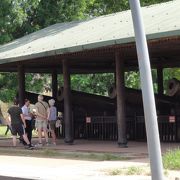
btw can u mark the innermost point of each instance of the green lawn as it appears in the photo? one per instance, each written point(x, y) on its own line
point(3, 130)
point(171, 160)
point(52, 153)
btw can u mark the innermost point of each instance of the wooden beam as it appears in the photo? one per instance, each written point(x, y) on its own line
point(120, 88)
point(68, 120)
point(160, 80)
point(54, 84)
point(21, 85)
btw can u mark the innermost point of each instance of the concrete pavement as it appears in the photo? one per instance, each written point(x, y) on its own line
point(62, 169)
point(65, 169)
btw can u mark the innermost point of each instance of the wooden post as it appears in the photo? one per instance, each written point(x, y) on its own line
point(120, 89)
point(54, 84)
point(160, 80)
point(68, 120)
point(21, 85)
point(115, 78)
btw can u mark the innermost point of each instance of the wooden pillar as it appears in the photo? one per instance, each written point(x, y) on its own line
point(120, 88)
point(54, 84)
point(21, 85)
point(68, 120)
point(160, 80)
point(115, 78)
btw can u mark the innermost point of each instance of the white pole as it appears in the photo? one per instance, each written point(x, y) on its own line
point(152, 132)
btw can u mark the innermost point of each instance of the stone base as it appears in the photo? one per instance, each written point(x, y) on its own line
point(123, 145)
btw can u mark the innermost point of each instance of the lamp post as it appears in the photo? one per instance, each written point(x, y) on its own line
point(152, 132)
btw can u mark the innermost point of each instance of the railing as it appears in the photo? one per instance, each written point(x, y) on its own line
point(101, 128)
point(169, 128)
point(105, 128)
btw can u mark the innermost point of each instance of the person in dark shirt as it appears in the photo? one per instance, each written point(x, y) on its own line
point(18, 124)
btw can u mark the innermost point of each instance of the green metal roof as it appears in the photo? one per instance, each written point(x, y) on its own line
point(161, 20)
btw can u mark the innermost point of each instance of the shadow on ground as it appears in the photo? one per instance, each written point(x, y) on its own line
point(11, 178)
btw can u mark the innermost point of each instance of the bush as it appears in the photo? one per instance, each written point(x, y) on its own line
point(171, 160)
point(7, 95)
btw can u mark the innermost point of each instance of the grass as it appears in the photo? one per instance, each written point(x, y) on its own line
point(115, 172)
point(129, 171)
point(134, 170)
point(51, 153)
point(3, 130)
point(171, 160)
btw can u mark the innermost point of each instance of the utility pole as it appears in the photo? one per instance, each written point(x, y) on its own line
point(152, 131)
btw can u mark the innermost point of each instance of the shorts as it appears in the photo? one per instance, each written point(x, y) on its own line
point(41, 124)
point(52, 124)
point(17, 129)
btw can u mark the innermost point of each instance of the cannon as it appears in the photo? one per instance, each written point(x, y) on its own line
point(173, 88)
point(90, 103)
point(133, 98)
point(97, 104)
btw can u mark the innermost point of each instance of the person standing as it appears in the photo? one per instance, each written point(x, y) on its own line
point(28, 119)
point(18, 125)
point(52, 117)
point(41, 119)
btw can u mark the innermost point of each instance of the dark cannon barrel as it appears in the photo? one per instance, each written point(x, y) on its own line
point(90, 102)
point(133, 97)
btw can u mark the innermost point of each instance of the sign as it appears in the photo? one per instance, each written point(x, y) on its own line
point(88, 119)
point(172, 119)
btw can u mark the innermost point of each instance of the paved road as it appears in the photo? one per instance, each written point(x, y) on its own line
point(61, 169)
point(18, 168)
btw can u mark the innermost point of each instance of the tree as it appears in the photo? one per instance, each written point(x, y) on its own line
point(42, 13)
point(6, 20)
point(8, 86)
point(93, 83)
point(38, 83)
point(103, 7)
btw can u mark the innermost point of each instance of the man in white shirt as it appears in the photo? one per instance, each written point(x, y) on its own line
point(28, 119)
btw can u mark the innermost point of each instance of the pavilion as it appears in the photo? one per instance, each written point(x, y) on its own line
point(97, 45)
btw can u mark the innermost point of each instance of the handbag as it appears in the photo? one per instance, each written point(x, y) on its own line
point(58, 123)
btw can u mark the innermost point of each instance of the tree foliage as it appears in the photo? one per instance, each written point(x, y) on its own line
point(8, 86)
point(7, 17)
point(37, 82)
point(93, 83)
